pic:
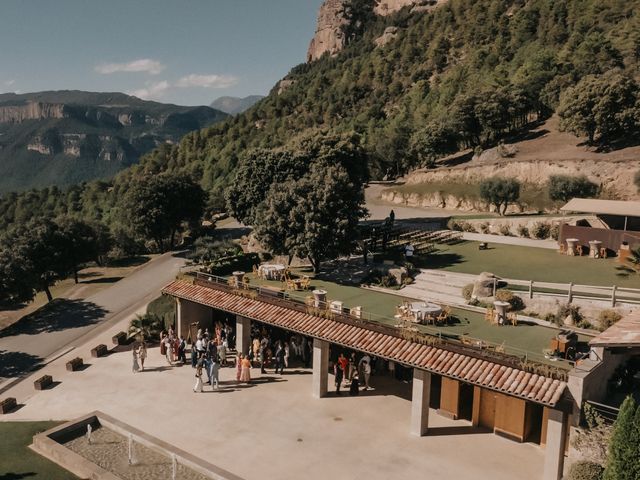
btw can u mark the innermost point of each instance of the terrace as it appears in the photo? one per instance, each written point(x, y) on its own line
point(526, 341)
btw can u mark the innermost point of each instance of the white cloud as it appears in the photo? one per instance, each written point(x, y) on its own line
point(207, 81)
point(153, 90)
point(146, 65)
point(8, 83)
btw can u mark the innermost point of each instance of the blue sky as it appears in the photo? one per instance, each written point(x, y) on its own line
point(182, 51)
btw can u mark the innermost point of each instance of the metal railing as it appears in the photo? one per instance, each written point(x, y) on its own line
point(509, 356)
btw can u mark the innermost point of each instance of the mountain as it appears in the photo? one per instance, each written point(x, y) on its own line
point(235, 105)
point(66, 137)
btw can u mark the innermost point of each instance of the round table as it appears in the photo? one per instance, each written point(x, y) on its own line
point(594, 248)
point(571, 246)
point(423, 311)
point(501, 311)
point(271, 271)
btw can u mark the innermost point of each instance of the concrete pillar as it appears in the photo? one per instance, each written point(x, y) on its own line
point(179, 320)
point(420, 402)
point(320, 368)
point(243, 334)
point(555, 445)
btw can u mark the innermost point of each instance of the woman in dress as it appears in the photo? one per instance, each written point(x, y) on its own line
point(286, 354)
point(256, 349)
point(142, 352)
point(135, 367)
point(238, 366)
point(245, 374)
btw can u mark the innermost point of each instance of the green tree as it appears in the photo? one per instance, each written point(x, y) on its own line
point(500, 192)
point(82, 243)
point(565, 187)
point(603, 106)
point(315, 217)
point(34, 256)
point(624, 451)
point(432, 142)
point(157, 206)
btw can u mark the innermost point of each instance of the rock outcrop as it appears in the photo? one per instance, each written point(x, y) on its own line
point(30, 111)
point(329, 37)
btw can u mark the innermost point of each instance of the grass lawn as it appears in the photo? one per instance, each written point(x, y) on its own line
point(380, 307)
point(19, 461)
point(527, 263)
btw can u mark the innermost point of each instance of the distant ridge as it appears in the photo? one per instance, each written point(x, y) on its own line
point(70, 136)
point(235, 105)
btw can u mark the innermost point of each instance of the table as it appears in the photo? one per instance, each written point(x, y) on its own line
point(271, 271)
point(423, 311)
point(594, 248)
point(571, 246)
point(501, 311)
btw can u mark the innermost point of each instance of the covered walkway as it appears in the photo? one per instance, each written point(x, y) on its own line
point(491, 391)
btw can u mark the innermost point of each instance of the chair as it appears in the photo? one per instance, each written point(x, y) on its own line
point(513, 318)
point(306, 282)
point(580, 250)
point(562, 249)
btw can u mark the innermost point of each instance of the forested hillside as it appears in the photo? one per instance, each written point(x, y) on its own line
point(463, 75)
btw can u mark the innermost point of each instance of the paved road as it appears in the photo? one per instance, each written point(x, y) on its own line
point(72, 322)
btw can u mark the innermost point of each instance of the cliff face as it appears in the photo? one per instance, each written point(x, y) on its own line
point(30, 111)
point(329, 37)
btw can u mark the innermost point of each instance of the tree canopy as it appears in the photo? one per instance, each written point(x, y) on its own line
point(500, 192)
point(624, 450)
point(565, 187)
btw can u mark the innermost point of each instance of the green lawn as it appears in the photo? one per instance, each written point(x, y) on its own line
point(19, 461)
point(527, 263)
point(380, 307)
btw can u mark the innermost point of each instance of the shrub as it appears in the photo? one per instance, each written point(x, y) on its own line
point(585, 470)
point(564, 187)
point(146, 327)
point(608, 318)
point(541, 230)
point(566, 310)
point(500, 192)
point(523, 231)
point(467, 291)
point(484, 227)
point(515, 302)
point(505, 230)
point(555, 231)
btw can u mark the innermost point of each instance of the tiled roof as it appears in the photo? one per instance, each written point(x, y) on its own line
point(623, 333)
point(477, 371)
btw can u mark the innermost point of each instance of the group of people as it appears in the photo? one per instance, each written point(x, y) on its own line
point(173, 347)
point(352, 373)
point(208, 354)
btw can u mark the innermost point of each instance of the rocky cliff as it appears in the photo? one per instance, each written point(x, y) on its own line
point(329, 37)
point(69, 136)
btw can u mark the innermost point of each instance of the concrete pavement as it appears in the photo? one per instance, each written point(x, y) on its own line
point(27, 343)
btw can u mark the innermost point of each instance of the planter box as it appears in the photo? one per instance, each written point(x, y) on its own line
point(74, 364)
point(43, 382)
point(7, 405)
point(119, 338)
point(99, 351)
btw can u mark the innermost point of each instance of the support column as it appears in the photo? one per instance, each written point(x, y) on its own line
point(179, 317)
point(320, 368)
point(555, 446)
point(420, 402)
point(243, 334)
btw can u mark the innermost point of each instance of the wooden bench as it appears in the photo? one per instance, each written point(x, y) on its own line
point(7, 405)
point(119, 338)
point(43, 382)
point(74, 364)
point(99, 351)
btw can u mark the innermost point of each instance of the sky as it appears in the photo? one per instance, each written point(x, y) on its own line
point(187, 52)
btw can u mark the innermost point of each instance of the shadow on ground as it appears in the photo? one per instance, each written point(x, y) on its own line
point(13, 364)
point(58, 315)
point(17, 476)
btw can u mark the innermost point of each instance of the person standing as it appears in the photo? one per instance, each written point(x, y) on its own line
point(194, 355)
point(365, 358)
point(339, 374)
point(135, 367)
point(198, 386)
point(214, 375)
point(182, 346)
point(245, 375)
point(286, 354)
point(142, 353)
point(343, 362)
point(238, 366)
point(366, 368)
point(168, 349)
point(222, 352)
point(279, 358)
point(264, 344)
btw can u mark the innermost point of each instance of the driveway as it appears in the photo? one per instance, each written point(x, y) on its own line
point(68, 323)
